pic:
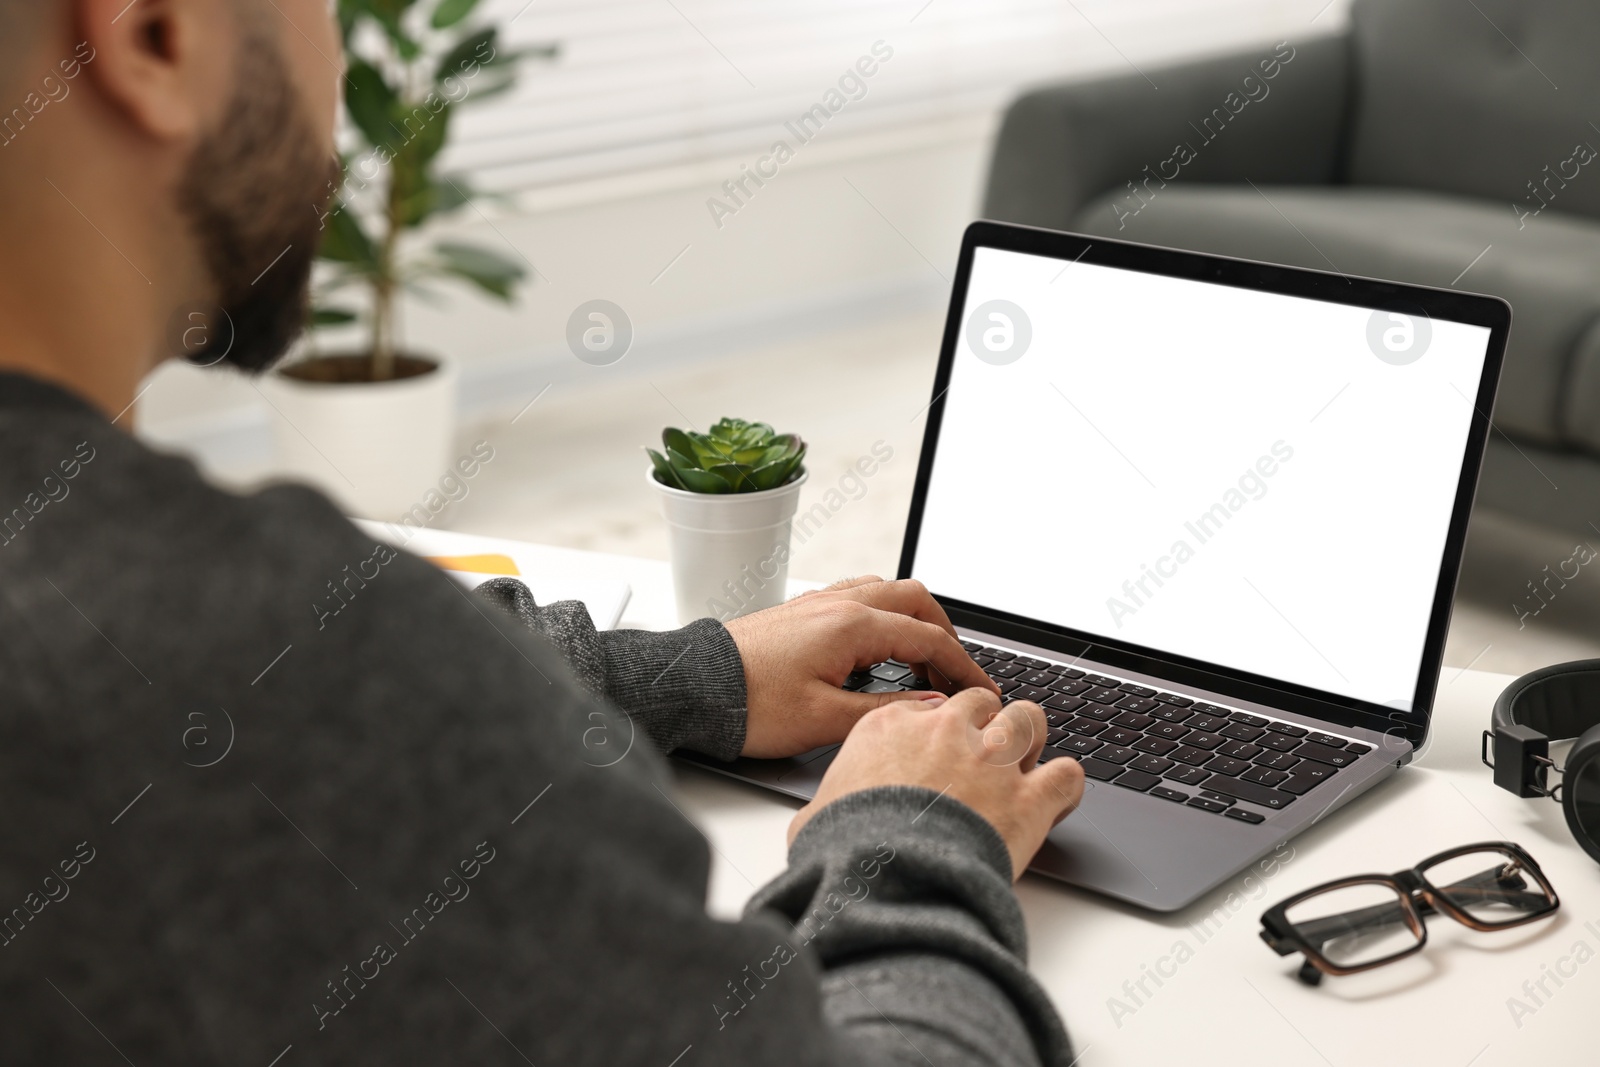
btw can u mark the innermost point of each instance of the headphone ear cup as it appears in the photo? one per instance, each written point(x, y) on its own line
point(1580, 791)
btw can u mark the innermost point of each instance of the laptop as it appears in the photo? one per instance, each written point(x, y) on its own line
point(1209, 514)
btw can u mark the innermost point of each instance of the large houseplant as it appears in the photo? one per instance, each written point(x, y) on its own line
point(373, 424)
point(729, 497)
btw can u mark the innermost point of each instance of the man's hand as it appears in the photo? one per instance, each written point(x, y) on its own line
point(965, 748)
point(798, 654)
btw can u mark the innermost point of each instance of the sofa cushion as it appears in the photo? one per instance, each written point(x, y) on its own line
point(1548, 269)
point(1478, 98)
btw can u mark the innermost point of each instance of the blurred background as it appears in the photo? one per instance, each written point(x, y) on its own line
point(813, 301)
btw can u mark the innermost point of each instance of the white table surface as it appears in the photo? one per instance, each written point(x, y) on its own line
point(1232, 1000)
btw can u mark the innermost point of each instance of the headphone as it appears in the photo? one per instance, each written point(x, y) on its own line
point(1552, 704)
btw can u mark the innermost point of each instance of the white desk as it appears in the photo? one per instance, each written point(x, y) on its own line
point(1232, 1000)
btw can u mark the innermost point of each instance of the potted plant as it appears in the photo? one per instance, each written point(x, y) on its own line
point(729, 497)
point(373, 425)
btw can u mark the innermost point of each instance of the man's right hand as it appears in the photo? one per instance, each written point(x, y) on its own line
point(966, 748)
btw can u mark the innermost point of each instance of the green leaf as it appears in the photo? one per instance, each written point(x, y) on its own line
point(344, 241)
point(331, 316)
point(698, 481)
point(470, 55)
point(450, 12)
point(664, 472)
point(677, 441)
point(489, 271)
point(736, 477)
point(371, 102)
point(681, 461)
point(770, 475)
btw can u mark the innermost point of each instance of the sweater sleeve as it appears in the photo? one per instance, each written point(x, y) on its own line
point(905, 898)
point(683, 688)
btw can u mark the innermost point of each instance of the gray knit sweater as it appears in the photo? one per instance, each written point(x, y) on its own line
point(236, 827)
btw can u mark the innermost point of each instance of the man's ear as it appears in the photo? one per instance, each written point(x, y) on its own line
point(163, 63)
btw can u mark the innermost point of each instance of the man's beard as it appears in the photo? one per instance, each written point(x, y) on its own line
point(255, 194)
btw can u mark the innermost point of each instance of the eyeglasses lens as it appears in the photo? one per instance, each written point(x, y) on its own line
point(1357, 924)
point(1492, 886)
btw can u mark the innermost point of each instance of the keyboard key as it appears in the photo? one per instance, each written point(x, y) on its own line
point(1101, 695)
point(1138, 704)
point(1170, 730)
point(1200, 739)
point(1030, 662)
point(878, 685)
point(1116, 754)
point(1007, 685)
point(1139, 780)
point(1056, 733)
point(1065, 703)
point(1086, 726)
point(1247, 718)
point(1300, 784)
point(1000, 653)
point(1187, 775)
point(1241, 750)
point(857, 679)
point(1288, 728)
point(1212, 794)
point(1278, 761)
point(1136, 689)
point(1166, 793)
point(1152, 764)
point(1042, 679)
point(1208, 723)
point(1227, 765)
point(1244, 815)
point(1069, 672)
point(1241, 732)
point(1265, 776)
point(1190, 755)
point(1048, 753)
point(1100, 679)
point(1327, 739)
point(1081, 746)
point(1358, 748)
point(1207, 804)
point(1333, 757)
point(1249, 792)
point(1121, 735)
point(1094, 711)
point(1098, 769)
point(1278, 742)
point(1133, 721)
point(1031, 692)
point(1006, 670)
point(972, 646)
point(1172, 713)
point(890, 672)
point(984, 661)
point(1211, 709)
point(1156, 746)
point(1175, 699)
point(1070, 687)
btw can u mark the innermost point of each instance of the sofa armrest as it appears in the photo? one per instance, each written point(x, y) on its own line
point(1063, 145)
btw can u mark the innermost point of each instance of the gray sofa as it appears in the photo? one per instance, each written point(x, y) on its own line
point(1402, 149)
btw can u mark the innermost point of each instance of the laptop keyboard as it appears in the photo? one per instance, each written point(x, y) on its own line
point(1217, 759)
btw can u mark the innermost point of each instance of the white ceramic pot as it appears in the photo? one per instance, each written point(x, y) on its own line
point(730, 551)
point(374, 447)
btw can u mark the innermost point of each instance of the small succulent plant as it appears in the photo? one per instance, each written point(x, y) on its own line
point(735, 457)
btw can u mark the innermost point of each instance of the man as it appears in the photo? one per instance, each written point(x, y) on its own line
point(233, 831)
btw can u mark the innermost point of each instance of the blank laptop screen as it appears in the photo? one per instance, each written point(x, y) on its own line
point(1257, 481)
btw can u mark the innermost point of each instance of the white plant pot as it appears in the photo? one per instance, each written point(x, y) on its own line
point(374, 447)
point(730, 551)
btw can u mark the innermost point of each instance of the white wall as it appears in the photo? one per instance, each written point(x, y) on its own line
point(852, 228)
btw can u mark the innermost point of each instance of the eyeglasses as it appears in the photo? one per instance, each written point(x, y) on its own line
point(1356, 924)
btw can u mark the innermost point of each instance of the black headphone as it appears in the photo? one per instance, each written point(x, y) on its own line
point(1552, 704)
